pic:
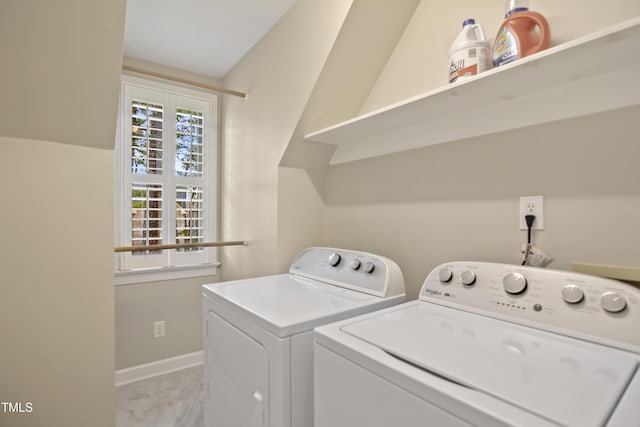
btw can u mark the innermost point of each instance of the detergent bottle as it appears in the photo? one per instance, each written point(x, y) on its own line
point(470, 53)
point(522, 33)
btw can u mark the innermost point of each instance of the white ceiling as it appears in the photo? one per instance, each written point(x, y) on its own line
point(202, 36)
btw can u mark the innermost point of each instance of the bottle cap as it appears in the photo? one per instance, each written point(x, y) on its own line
point(513, 6)
point(469, 21)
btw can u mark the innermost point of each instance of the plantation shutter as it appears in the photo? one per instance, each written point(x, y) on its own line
point(166, 193)
point(192, 179)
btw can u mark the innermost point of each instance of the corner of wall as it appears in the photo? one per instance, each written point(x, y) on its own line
point(367, 37)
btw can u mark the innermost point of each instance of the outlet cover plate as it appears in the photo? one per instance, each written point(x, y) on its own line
point(532, 205)
point(158, 329)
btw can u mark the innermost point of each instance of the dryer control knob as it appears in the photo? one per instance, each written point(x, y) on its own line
point(514, 283)
point(468, 278)
point(445, 274)
point(572, 294)
point(355, 264)
point(613, 302)
point(369, 266)
point(334, 259)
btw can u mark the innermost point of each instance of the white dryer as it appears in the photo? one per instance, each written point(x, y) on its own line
point(258, 333)
point(487, 345)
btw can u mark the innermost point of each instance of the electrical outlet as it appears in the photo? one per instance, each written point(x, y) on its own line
point(532, 205)
point(158, 329)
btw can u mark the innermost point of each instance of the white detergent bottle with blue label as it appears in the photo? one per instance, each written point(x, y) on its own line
point(470, 53)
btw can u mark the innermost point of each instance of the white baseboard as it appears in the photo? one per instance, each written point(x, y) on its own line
point(160, 367)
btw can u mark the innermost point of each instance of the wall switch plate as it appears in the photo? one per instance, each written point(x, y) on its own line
point(158, 329)
point(532, 205)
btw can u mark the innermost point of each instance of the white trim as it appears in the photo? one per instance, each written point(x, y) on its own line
point(131, 277)
point(159, 367)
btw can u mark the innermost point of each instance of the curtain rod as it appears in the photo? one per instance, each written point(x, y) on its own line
point(177, 246)
point(185, 81)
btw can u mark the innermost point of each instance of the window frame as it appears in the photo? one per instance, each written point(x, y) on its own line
point(165, 266)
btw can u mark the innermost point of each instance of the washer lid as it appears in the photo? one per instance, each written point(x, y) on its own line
point(286, 304)
point(564, 380)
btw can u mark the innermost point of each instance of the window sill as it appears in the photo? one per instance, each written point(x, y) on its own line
point(159, 274)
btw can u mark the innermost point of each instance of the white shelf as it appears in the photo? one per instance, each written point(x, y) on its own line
point(593, 74)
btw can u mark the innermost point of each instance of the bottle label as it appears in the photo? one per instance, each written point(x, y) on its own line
point(468, 62)
point(505, 49)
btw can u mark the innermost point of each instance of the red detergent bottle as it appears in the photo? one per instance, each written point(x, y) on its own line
point(521, 34)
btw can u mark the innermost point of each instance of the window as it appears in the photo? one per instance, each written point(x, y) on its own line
point(166, 181)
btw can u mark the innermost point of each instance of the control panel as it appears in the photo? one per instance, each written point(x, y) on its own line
point(574, 304)
point(361, 271)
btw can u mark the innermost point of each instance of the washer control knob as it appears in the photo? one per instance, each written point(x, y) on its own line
point(445, 275)
point(572, 294)
point(468, 278)
point(355, 264)
point(334, 259)
point(369, 266)
point(613, 302)
point(514, 283)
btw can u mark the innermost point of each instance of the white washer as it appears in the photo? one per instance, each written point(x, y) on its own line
point(258, 333)
point(487, 345)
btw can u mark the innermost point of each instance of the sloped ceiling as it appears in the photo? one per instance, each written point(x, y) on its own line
point(206, 37)
point(61, 65)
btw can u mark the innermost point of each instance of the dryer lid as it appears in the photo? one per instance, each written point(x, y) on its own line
point(565, 380)
point(286, 304)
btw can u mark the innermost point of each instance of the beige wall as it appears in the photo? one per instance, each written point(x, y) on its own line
point(178, 302)
point(61, 60)
point(279, 74)
point(367, 36)
point(56, 291)
point(300, 215)
point(452, 201)
point(402, 205)
point(59, 83)
point(138, 306)
point(460, 200)
point(277, 195)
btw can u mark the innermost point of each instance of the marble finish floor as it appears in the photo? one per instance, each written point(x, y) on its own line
point(169, 400)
